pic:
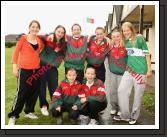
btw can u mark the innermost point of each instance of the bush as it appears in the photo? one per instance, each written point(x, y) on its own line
point(10, 44)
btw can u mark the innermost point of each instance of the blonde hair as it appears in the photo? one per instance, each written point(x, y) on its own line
point(131, 27)
point(121, 40)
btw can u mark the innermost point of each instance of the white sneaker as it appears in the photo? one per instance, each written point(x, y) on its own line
point(132, 121)
point(44, 111)
point(93, 122)
point(119, 113)
point(31, 116)
point(113, 111)
point(12, 121)
point(84, 120)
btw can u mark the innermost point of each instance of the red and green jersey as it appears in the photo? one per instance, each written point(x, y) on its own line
point(76, 52)
point(67, 94)
point(96, 53)
point(95, 92)
point(117, 60)
point(53, 53)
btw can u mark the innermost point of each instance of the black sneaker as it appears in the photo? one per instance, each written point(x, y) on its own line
point(132, 121)
point(118, 118)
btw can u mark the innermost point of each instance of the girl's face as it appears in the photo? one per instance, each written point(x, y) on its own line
point(59, 33)
point(99, 34)
point(34, 28)
point(90, 74)
point(116, 37)
point(71, 76)
point(127, 32)
point(76, 31)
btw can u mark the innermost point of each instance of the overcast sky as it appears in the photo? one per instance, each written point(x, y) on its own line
point(51, 14)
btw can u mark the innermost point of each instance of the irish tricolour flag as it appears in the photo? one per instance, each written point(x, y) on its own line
point(89, 20)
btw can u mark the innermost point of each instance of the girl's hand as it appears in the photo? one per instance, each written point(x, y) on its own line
point(81, 96)
point(149, 74)
point(15, 70)
point(108, 40)
point(83, 100)
point(58, 109)
point(74, 107)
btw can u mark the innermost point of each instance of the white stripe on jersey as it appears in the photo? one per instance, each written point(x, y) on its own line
point(136, 52)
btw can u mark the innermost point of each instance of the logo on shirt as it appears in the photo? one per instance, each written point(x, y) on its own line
point(130, 51)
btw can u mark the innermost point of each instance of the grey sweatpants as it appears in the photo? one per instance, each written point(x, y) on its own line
point(115, 82)
point(124, 91)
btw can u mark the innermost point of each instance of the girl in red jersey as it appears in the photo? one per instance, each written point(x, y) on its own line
point(93, 97)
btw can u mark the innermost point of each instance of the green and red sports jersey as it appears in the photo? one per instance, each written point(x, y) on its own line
point(117, 60)
point(95, 92)
point(76, 52)
point(67, 94)
point(53, 53)
point(96, 53)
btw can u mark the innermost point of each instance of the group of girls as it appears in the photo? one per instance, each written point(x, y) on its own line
point(81, 93)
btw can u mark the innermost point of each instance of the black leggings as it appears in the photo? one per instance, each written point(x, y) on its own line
point(50, 79)
point(73, 114)
point(92, 109)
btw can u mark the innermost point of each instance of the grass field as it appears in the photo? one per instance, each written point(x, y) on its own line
point(10, 90)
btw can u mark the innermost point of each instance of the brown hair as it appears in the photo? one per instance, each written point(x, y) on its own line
point(100, 28)
point(131, 27)
point(76, 24)
point(35, 21)
point(90, 67)
point(62, 40)
point(71, 69)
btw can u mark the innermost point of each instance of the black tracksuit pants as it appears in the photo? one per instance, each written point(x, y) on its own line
point(28, 89)
point(50, 79)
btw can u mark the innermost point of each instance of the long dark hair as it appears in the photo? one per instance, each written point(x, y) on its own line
point(62, 40)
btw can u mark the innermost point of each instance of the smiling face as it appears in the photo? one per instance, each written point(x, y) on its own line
point(59, 33)
point(71, 76)
point(76, 30)
point(100, 34)
point(34, 28)
point(116, 37)
point(127, 32)
point(90, 74)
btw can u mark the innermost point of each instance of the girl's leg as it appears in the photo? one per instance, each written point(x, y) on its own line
point(33, 95)
point(115, 81)
point(73, 114)
point(56, 113)
point(124, 91)
point(101, 72)
point(42, 95)
point(22, 90)
point(95, 107)
point(139, 88)
point(52, 80)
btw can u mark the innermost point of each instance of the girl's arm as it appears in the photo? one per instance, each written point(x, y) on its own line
point(57, 98)
point(149, 71)
point(15, 56)
point(108, 40)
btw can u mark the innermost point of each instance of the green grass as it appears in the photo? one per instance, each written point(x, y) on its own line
point(148, 102)
point(10, 91)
